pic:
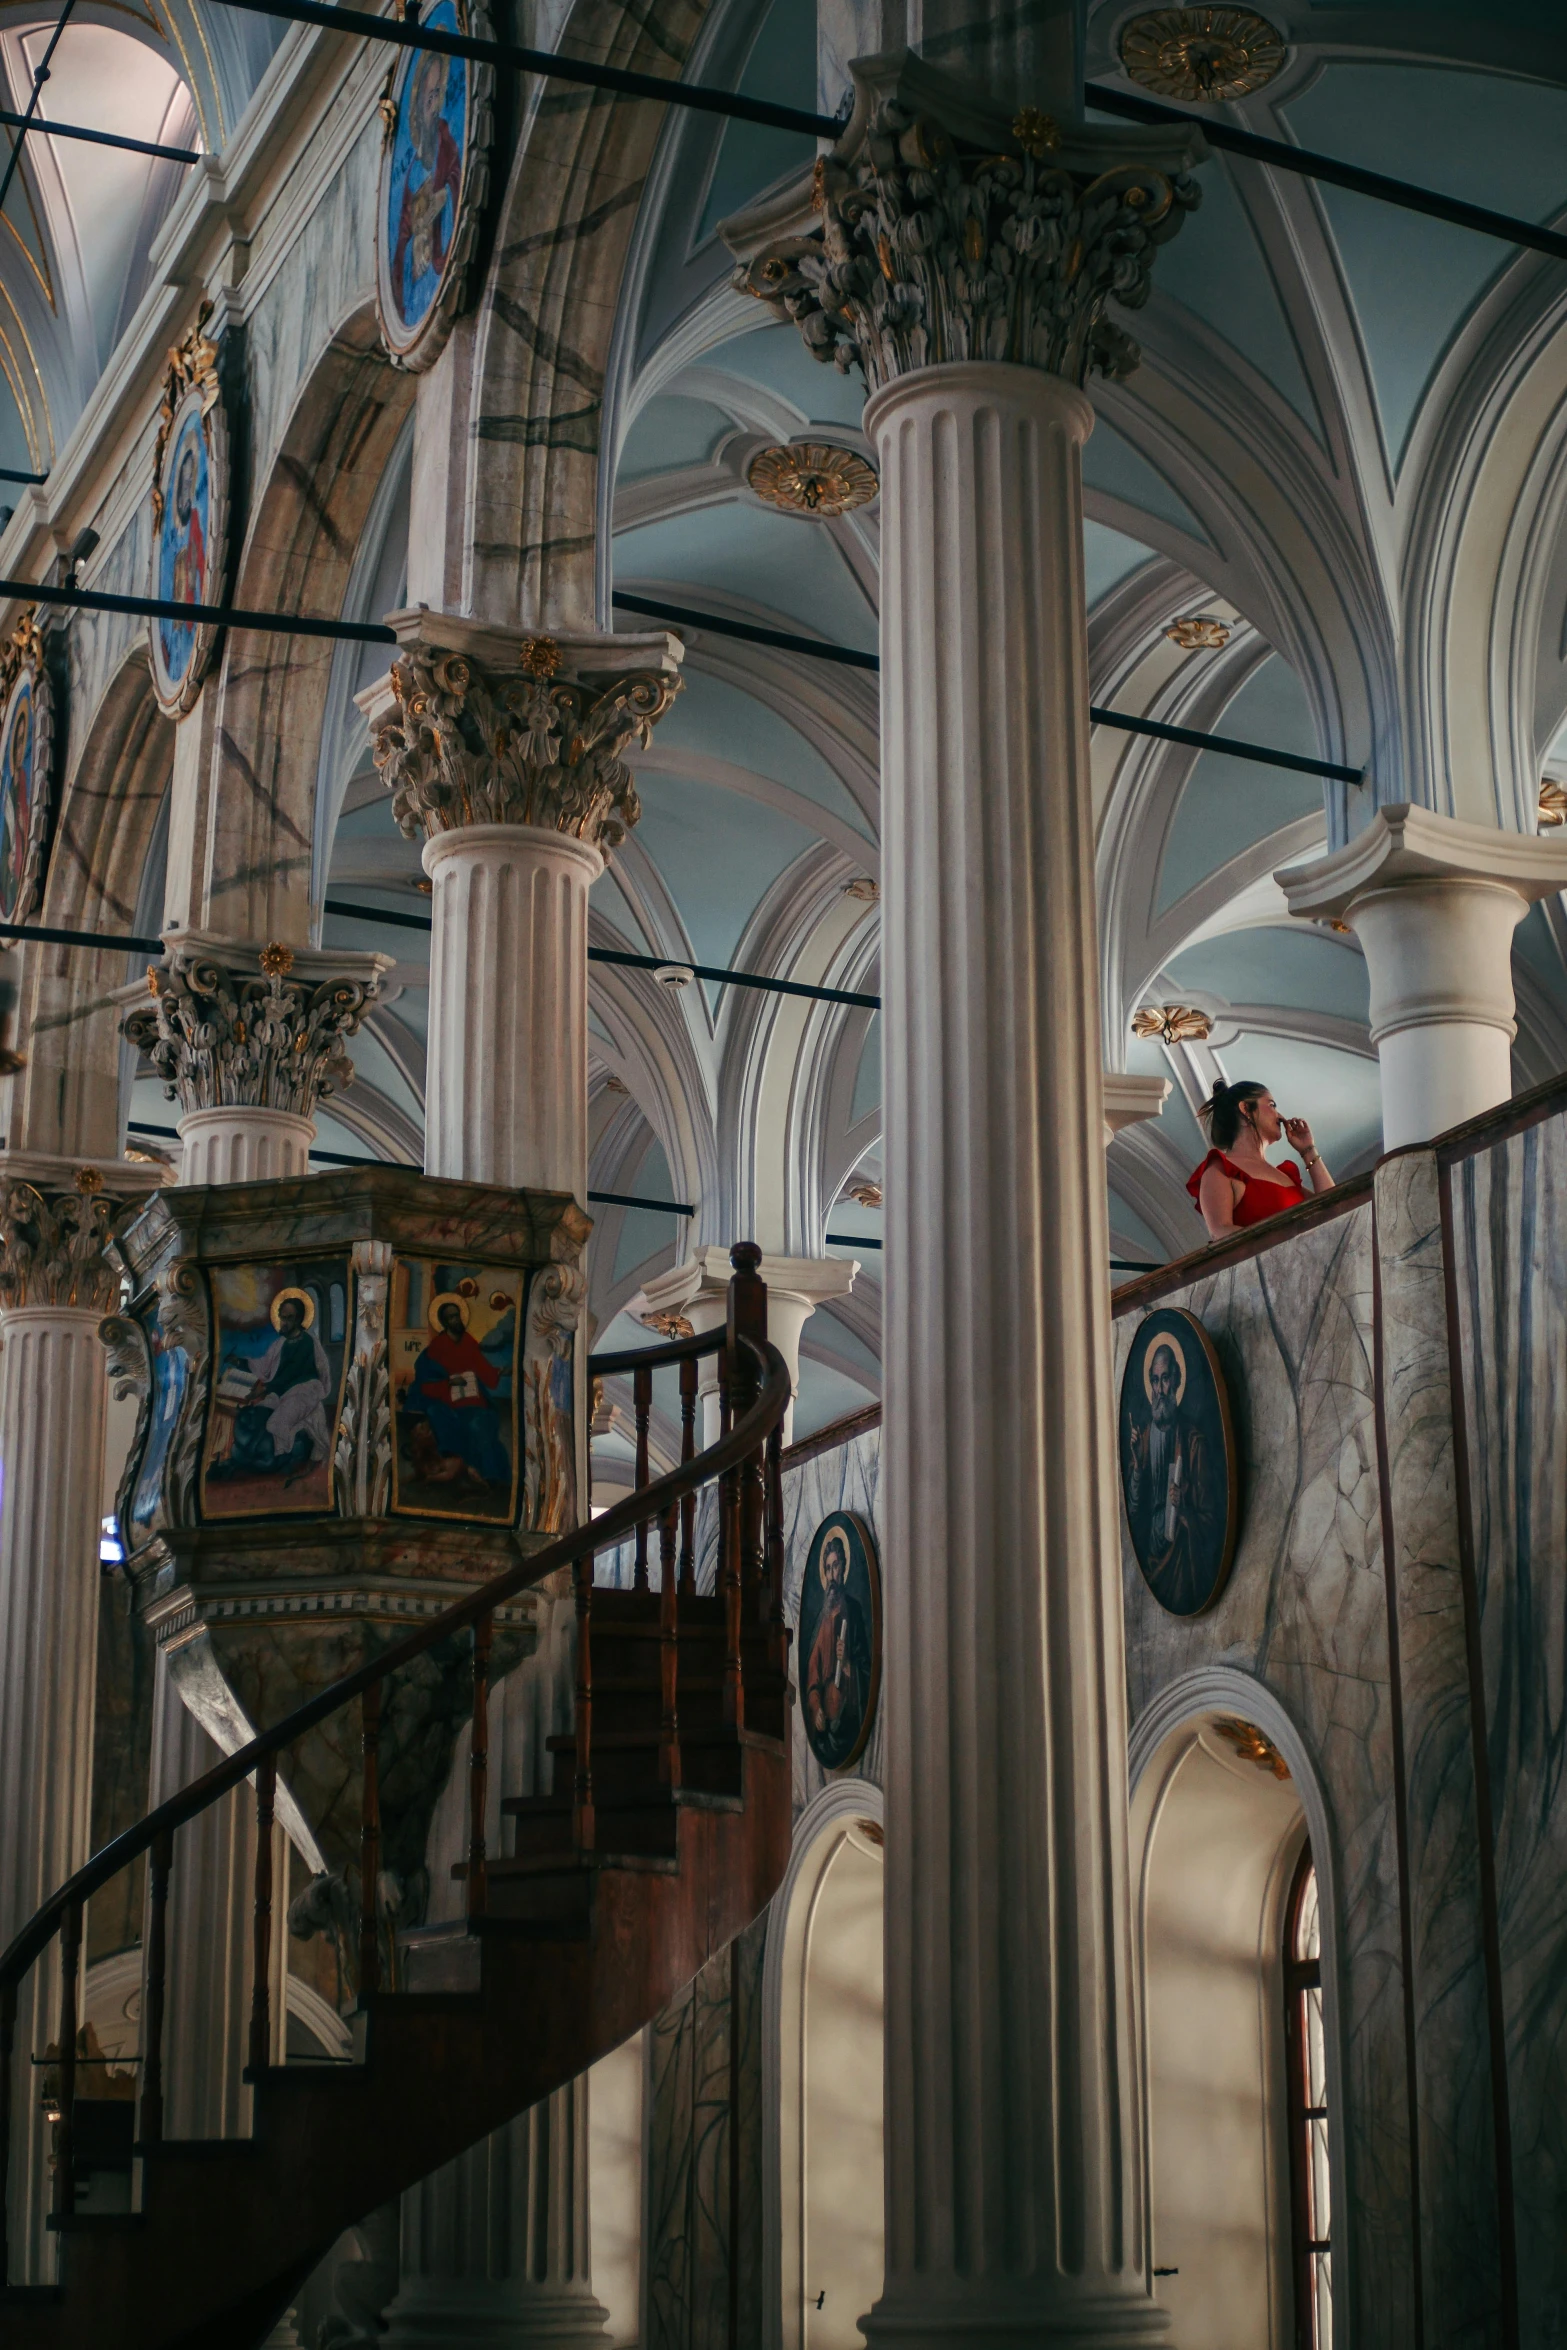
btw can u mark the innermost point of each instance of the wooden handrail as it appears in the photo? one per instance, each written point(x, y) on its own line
point(601, 1533)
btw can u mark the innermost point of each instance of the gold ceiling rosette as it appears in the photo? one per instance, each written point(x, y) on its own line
point(813, 477)
point(1202, 54)
point(1172, 1023)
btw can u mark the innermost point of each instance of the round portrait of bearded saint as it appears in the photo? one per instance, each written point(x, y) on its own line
point(1178, 1470)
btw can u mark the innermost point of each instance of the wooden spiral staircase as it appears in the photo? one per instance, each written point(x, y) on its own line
point(666, 1832)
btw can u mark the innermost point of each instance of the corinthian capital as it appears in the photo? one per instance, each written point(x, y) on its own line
point(949, 230)
point(57, 1226)
point(473, 725)
point(230, 1027)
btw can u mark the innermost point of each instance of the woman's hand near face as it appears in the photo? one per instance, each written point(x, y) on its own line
point(1298, 1133)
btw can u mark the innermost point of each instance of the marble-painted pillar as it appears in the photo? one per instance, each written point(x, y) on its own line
point(58, 1278)
point(1434, 904)
point(504, 752)
point(495, 2246)
point(247, 1040)
point(1015, 2172)
point(695, 1297)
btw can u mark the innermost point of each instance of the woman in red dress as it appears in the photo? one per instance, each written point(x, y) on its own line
point(1237, 1184)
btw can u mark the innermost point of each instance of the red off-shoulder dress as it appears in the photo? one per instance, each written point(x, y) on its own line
point(1259, 1199)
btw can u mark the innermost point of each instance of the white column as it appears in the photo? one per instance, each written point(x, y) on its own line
point(1130, 1100)
point(504, 752)
point(244, 1145)
point(495, 2245)
point(1434, 904)
point(1014, 2141)
point(696, 1295)
point(56, 1283)
point(507, 1100)
point(1015, 2174)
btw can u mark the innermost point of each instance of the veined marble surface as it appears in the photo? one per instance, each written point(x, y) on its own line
point(1509, 1213)
point(1305, 1613)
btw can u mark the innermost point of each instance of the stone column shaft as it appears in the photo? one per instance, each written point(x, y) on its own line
point(508, 1095)
point(58, 1276)
point(694, 1298)
point(495, 2245)
point(1014, 2140)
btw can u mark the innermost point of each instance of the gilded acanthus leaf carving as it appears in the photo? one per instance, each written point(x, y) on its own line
point(464, 746)
point(933, 250)
point(57, 1247)
point(223, 1039)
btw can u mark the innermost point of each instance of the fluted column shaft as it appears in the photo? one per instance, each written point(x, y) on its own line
point(1014, 2143)
point(244, 1145)
point(52, 1402)
point(507, 1100)
point(495, 2245)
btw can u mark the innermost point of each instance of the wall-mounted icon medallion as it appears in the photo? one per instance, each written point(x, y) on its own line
point(190, 489)
point(26, 770)
point(1178, 1468)
point(840, 1639)
point(434, 176)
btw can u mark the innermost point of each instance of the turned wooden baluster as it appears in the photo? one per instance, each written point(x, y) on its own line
point(777, 1622)
point(160, 1861)
point(479, 1768)
point(668, 1652)
point(7, 2070)
point(748, 1320)
point(642, 1393)
point(65, 2128)
point(370, 1844)
point(582, 1823)
point(688, 1386)
point(261, 1950)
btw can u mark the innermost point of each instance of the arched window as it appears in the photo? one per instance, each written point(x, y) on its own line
point(1311, 2213)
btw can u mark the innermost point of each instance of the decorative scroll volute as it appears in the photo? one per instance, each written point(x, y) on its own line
point(555, 1305)
point(934, 247)
point(463, 745)
point(57, 1246)
point(364, 1431)
point(222, 1039)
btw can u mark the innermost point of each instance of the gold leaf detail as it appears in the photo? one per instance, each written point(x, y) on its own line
point(813, 477)
point(1206, 54)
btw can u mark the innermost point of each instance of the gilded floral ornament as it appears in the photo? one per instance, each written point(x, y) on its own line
point(463, 746)
point(1553, 803)
point(1172, 1024)
point(223, 1039)
point(934, 247)
point(813, 477)
point(1202, 54)
point(1199, 633)
point(1246, 1740)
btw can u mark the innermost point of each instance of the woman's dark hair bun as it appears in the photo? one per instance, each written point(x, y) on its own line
point(1221, 1112)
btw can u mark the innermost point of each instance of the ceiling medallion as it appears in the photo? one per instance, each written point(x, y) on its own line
point(867, 891)
point(1250, 1744)
point(1553, 803)
point(1207, 54)
point(813, 477)
point(864, 1192)
point(1199, 633)
point(1172, 1023)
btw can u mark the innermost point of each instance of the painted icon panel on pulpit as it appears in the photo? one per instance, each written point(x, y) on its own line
point(169, 1366)
point(840, 1639)
point(453, 1342)
point(1179, 1479)
point(279, 1338)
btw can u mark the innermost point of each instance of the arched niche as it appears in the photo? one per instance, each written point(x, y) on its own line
point(822, 2009)
point(269, 699)
point(1216, 1837)
point(68, 1098)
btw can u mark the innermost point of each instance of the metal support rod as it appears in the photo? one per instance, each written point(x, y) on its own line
point(1261, 754)
point(479, 1769)
point(65, 2128)
point(261, 1923)
point(370, 1844)
point(40, 76)
point(79, 599)
point(159, 1863)
point(42, 128)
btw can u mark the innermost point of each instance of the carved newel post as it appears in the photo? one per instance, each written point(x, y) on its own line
point(504, 752)
point(59, 1275)
point(962, 258)
point(247, 1040)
